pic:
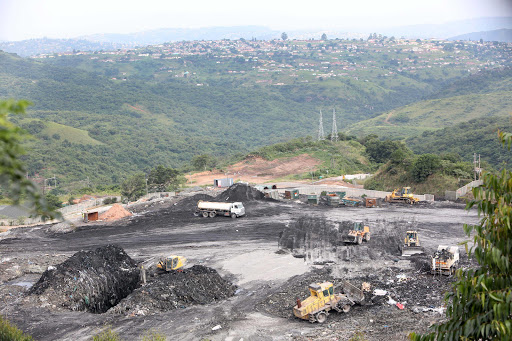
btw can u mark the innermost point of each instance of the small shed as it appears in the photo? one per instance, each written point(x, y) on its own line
point(292, 194)
point(224, 182)
point(313, 199)
point(90, 216)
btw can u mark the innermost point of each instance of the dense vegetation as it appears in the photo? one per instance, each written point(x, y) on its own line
point(99, 117)
point(424, 173)
point(479, 304)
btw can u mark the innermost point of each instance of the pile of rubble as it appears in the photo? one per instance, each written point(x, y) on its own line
point(190, 203)
point(174, 290)
point(241, 192)
point(91, 281)
point(116, 212)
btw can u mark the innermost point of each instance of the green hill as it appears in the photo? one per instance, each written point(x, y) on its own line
point(135, 109)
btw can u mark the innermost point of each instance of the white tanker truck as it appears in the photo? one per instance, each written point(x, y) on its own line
point(211, 209)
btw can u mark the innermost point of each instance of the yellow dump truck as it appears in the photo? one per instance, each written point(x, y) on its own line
point(316, 307)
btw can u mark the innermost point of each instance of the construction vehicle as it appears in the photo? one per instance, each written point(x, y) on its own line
point(445, 260)
point(211, 209)
point(316, 307)
point(411, 244)
point(171, 263)
point(359, 233)
point(404, 195)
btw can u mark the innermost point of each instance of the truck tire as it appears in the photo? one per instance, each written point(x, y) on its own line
point(321, 317)
point(359, 240)
point(346, 308)
point(233, 215)
point(367, 237)
point(205, 214)
point(212, 214)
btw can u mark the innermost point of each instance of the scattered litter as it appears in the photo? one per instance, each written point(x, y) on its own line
point(379, 292)
point(217, 327)
point(400, 306)
point(391, 301)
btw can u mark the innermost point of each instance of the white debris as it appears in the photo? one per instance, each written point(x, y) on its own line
point(217, 327)
point(379, 292)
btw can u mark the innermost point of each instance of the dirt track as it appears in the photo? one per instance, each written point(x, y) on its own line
point(244, 251)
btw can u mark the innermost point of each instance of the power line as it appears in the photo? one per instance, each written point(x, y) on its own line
point(334, 133)
point(321, 135)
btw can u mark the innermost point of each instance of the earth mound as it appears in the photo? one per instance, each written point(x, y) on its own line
point(191, 202)
point(240, 192)
point(91, 281)
point(116, 212)
point(174, 290)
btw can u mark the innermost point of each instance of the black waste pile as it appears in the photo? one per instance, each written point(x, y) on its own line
point(175, 290)
point(311, 236)
point(91, 281)
point(299, 235)
point(241, 192)
point(190, 203)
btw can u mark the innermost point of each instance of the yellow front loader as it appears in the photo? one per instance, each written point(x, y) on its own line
point(316, 307)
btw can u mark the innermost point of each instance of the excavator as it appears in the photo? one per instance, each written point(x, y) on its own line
point(171, 263)
point(402, 195)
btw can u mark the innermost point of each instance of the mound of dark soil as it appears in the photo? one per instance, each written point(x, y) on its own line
point(241, 192)
point(190, 203)
point(174, 290)
point(89, 280)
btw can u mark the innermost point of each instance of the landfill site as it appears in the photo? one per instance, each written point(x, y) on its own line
point(237, 265)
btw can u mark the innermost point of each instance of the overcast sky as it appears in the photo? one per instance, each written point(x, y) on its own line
point(25, 19)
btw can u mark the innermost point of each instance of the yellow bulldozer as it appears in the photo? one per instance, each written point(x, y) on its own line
point(402, 195)
point(359, 233)
point(316, 307)
point(412, 244)
point(171, 263)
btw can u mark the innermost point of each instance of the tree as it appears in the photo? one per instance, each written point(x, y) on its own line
point(134, 187)
point(324, 36)
point(424, 166)
point(481, 299)
point(12, 170)
point(203, 161)
point(162, 178)
point(284, 36)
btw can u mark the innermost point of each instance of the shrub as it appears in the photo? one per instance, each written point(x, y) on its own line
point(9, 332)
point(107, 335)
point(152, 335)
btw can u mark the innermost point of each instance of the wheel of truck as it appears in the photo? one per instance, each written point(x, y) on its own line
point(346, 308)
point(359, 240)
point(212, 214)
point(409, 201)
point(205, 214)
point(233, 215)
point(367, 237)
point(321, 317)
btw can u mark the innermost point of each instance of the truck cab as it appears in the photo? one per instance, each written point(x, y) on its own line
point(238, 209)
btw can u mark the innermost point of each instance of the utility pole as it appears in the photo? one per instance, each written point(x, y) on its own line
point(334, 133)
point(321, 135)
